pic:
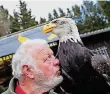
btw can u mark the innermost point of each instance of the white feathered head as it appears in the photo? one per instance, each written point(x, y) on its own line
point(63, 27)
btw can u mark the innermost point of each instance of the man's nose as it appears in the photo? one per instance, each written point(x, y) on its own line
point(56, 62)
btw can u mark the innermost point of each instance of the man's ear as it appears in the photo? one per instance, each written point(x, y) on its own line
point(28, 71)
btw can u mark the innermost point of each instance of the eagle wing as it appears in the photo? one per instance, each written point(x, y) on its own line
point(102, 64)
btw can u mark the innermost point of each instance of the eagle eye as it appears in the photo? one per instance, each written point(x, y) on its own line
point(63, 22)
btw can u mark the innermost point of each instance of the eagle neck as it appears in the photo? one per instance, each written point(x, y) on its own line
point(65, 38)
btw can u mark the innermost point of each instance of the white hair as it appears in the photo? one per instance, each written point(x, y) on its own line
point(23, 57)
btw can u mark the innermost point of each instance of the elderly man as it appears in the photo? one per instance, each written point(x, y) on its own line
point(35, 69)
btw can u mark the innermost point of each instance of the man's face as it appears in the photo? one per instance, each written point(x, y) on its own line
point(46, 61)
point(48, 65)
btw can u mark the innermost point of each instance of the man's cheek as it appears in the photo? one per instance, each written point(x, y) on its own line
point(48, 71)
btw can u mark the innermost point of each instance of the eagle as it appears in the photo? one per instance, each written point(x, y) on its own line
point(84, 72)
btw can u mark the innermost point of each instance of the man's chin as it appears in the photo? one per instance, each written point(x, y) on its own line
point(60, 79)
point(54, 82)
point(48, 83)
point(57, 80)
point(51, 83)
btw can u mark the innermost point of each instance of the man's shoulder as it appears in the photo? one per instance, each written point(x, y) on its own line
point(7, 92)
point(10, 89)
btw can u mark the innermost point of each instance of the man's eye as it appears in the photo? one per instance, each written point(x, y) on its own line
point(49, 56)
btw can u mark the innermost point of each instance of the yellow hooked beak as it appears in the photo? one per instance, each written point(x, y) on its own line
point(48, 28)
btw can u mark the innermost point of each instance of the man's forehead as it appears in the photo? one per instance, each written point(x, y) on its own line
point(40, 53)
point(41, 49)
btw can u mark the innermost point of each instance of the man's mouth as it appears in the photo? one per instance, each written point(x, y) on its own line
point(58, 73)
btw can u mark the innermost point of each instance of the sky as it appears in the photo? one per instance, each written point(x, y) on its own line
point(40, 8)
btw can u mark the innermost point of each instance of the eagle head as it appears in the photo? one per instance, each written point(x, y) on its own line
point(64, 28)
